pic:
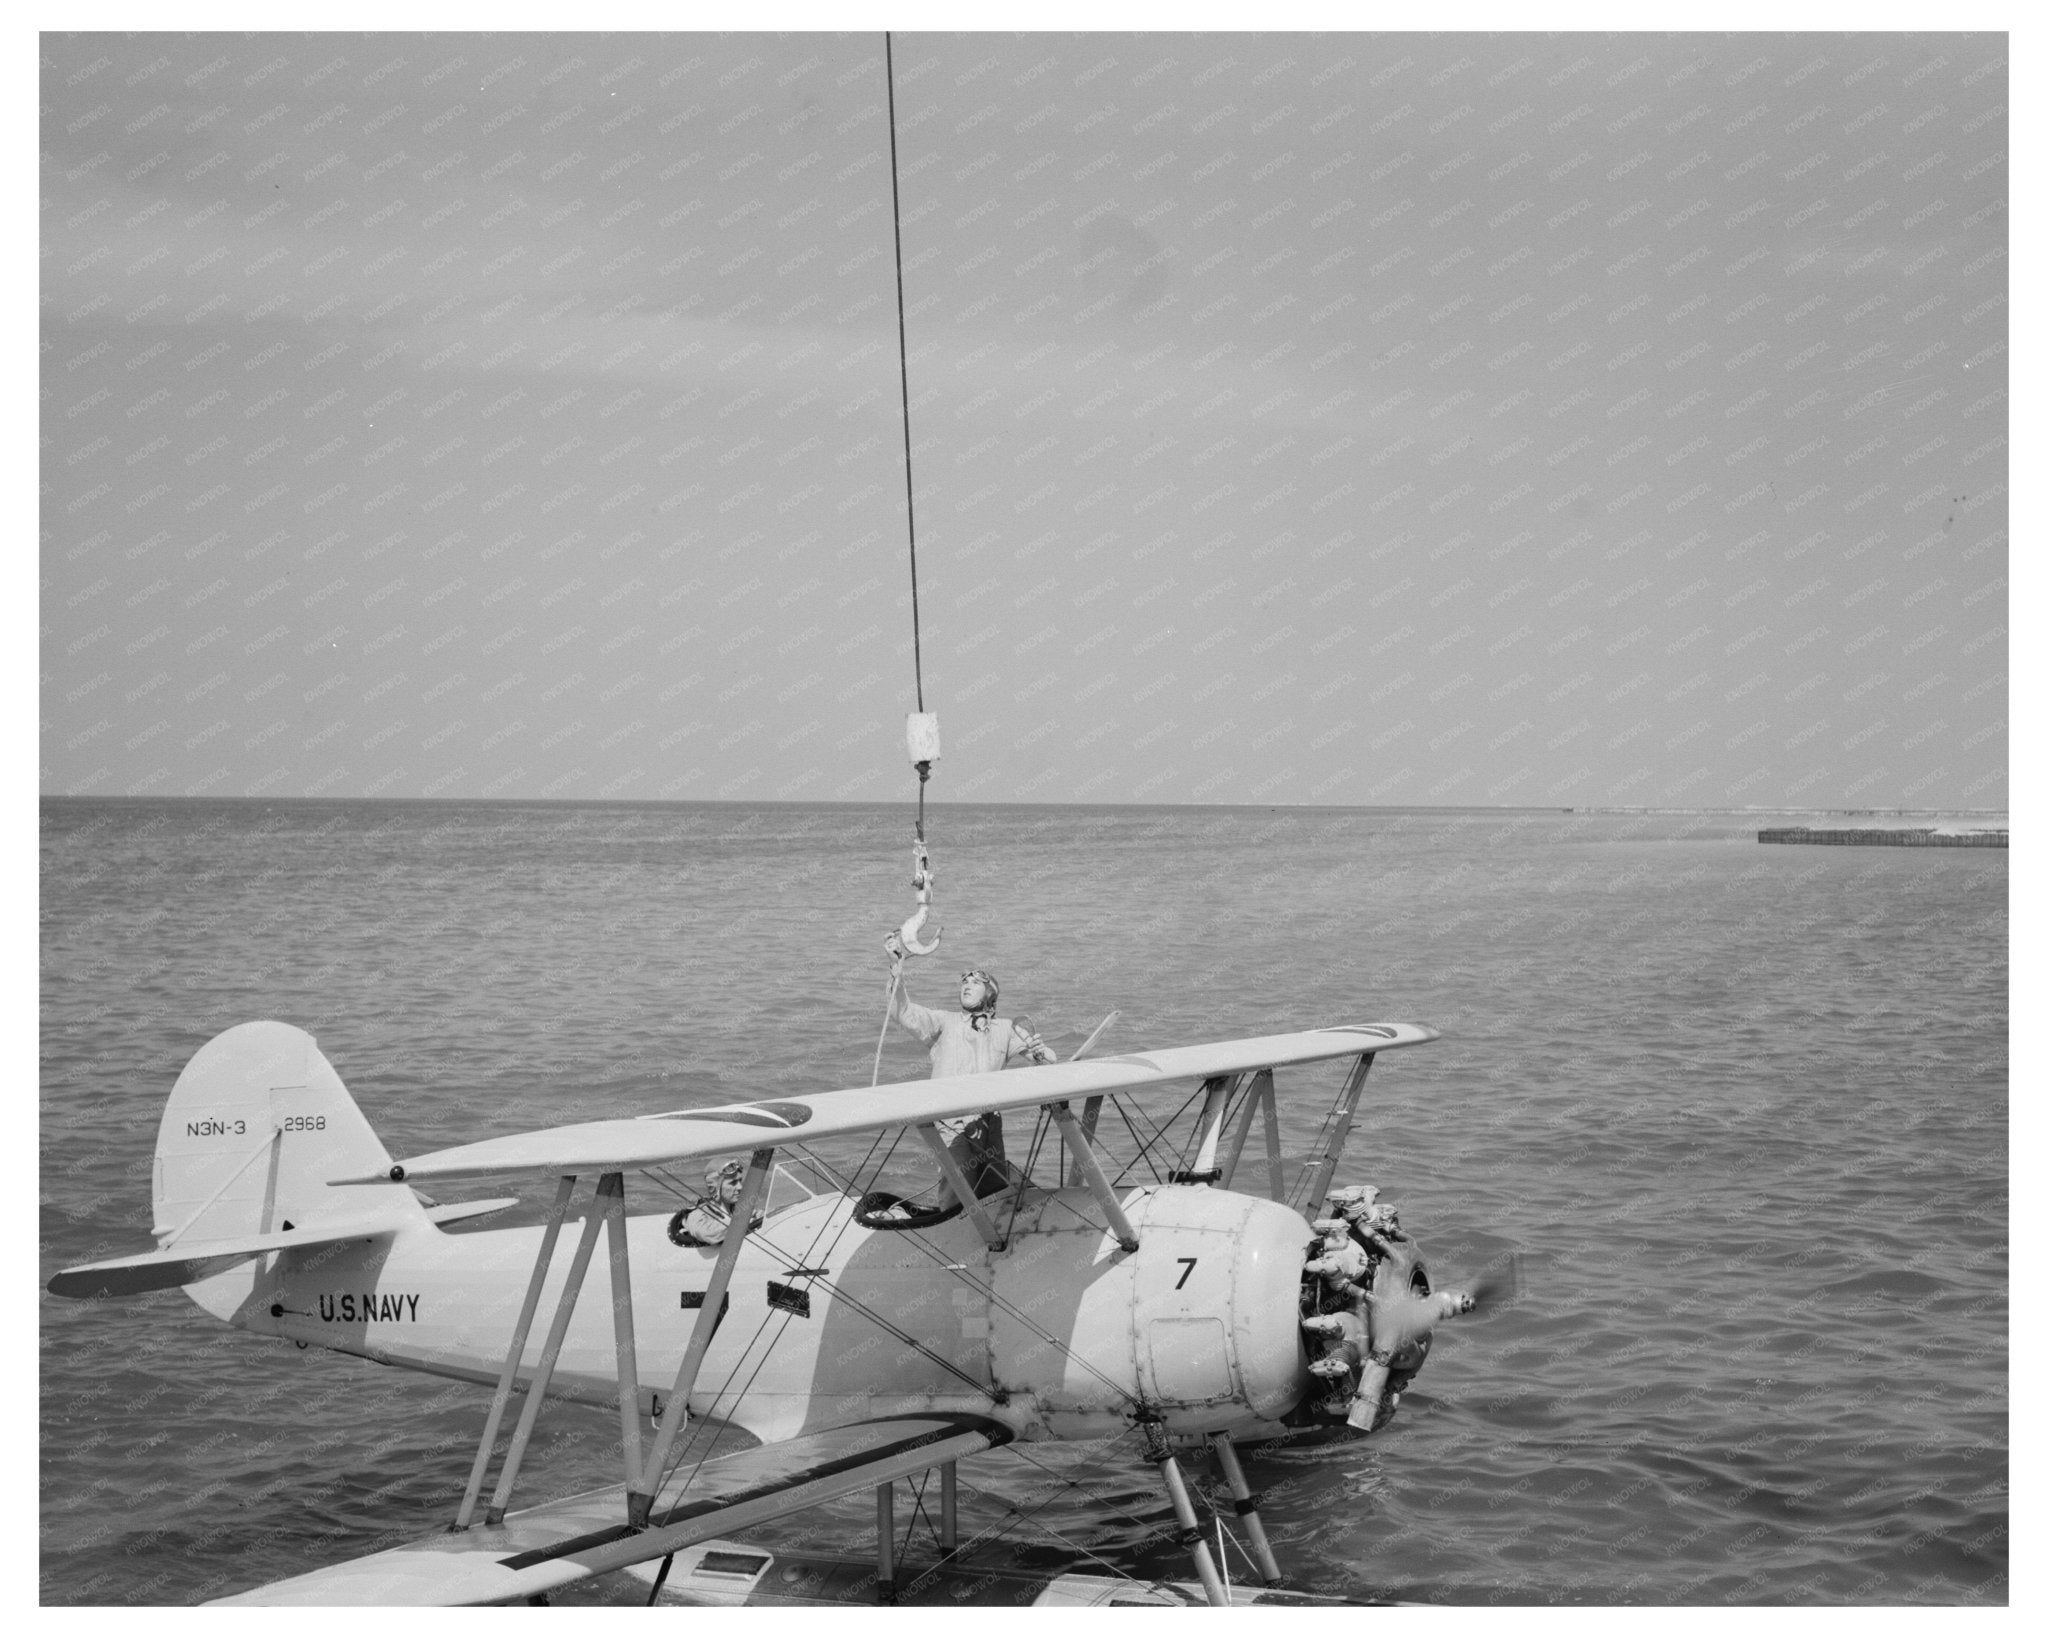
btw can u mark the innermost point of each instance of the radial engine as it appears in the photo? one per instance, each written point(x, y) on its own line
point(1367, 1312)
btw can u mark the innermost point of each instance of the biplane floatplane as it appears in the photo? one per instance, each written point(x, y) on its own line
point(858, 1353)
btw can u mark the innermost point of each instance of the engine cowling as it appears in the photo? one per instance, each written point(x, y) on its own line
point(1202, 1324)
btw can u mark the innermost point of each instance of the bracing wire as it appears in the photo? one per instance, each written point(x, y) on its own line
point(933, 1254)
point(683, 1446)
point(1159, 1134)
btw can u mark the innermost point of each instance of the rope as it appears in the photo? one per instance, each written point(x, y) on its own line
point(903, 359)
point(889, 1007)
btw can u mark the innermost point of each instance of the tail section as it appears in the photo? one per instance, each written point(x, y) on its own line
point(256, 1126)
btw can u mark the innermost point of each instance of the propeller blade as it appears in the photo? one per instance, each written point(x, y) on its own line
point(1499, 1286)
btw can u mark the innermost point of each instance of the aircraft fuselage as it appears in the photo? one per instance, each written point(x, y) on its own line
point(827, 1321)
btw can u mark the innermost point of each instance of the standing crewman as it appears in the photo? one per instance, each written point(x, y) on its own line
point(973, 1041)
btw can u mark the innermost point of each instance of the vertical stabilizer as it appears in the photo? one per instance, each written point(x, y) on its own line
point(256, 1126)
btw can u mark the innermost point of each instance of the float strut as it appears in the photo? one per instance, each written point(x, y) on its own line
point(949, 1507)
point(1184, 1514)
point(885, 1542)
point(1247, 1508)
point(515, 1353)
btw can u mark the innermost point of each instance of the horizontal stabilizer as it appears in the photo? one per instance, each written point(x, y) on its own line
point(689, 1134)
point(153, 1271)
point(541, 1548)
point(191, 1261)
point(462, 1210)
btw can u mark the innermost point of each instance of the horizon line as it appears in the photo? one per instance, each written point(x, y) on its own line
point(933, 802)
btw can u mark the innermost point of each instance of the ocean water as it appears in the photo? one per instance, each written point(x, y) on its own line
point(1740, 1110)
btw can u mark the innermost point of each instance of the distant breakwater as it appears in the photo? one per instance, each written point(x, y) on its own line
point(1872, 837)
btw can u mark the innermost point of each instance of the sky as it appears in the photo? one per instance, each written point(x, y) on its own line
point(1564, 420)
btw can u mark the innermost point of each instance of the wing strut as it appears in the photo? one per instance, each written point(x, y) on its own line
point(1091, 1112)
point(1216, 1092)
point(963, 1191)
point(1276, 1168)
point(675, 1413)
point(551, 1350)
point(1091, 1170)
point(1259, 1097)
point(611, 1194)
point(1322, 1170)
point(515, 1353)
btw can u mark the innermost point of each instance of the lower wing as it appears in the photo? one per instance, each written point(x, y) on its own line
point(542, 1548)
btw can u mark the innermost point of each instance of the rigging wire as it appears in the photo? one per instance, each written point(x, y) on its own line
point(919, 1483)
point(839, 1294)
point(1039, 1129)
point(1316, 1151)
point(1017, 1515)
point(1159, 1134)
point(1116, 1509)
point(935, 1255)
point(682, 1445)
point(833, 1176)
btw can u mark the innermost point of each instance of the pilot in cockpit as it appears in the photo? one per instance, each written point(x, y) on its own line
point(706, 1224)
point(972, 1041)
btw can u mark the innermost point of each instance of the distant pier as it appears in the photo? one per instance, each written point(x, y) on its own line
point(1871, 836)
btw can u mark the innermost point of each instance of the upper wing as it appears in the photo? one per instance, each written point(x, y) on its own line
point(550, 1546)
point(688, 1134)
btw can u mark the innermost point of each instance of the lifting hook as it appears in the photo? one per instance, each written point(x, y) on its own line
point(907, 933)
point(921, 880)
